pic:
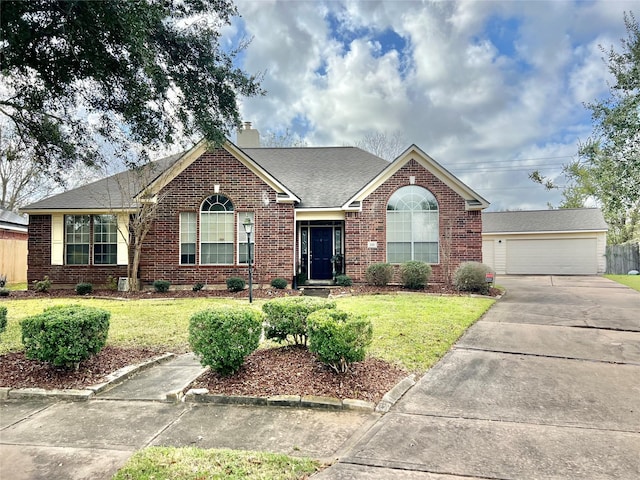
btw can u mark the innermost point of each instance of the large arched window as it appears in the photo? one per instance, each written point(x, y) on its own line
point(412, 226)
point(216, 231)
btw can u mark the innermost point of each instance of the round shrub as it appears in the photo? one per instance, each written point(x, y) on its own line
point(415, 275)
point(344, 281)
point(379, 274)
point(224, 337)
point(3, 318)
point(235, 284)
point(84, 288)
point(279, 283)
point(4, 292)
point(471, 277)
point(287, 317)
point(65, 335)
point(197, 287)
point(161, 286)
point(339, 338)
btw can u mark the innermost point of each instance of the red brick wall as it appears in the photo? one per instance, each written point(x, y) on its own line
point(460, 230)
point(274, 230)
point(61, 276)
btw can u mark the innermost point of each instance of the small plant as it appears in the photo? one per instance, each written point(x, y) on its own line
point(112, 283)
point(287, 317)
point(4, 292)
point(471, 277)
point(3, 281)
point(65, 335)
point(379, 274)
point(84, 288)
point(235, 284)
point(279, 283)
point(43, 285)
point(344, 281)
point(161, 286)
point(224, 337)
point(3, 318)
point(197, 287)
point(415, 275)
point(339, 338)
point(301, 279)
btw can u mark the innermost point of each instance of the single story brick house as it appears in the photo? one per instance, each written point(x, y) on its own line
point(317, 212)
point(545, 242)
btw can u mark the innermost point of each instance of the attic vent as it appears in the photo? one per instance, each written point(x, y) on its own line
point(474, 203)
point(355, 204)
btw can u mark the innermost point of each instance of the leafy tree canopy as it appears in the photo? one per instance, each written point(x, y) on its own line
point(81, 77)
point(608, 165)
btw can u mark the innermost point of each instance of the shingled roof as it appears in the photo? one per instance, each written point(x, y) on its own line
point(321, 177)
point(538, 221)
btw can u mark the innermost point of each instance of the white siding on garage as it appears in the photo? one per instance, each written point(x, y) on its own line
point(568, 256)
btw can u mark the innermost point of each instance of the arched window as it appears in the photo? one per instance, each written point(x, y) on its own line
point(216, 231)
point(412, 226)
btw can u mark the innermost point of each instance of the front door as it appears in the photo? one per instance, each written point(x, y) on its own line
point(321, 253)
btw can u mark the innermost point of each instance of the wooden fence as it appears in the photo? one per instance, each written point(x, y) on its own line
point(623, 258)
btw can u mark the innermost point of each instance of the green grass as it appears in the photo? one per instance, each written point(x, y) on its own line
point(17, 286)
point(142, 323)
point(415, 331)
point(161, 463)
point(632, 281)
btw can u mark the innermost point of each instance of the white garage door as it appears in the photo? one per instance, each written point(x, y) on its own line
point(575, 256)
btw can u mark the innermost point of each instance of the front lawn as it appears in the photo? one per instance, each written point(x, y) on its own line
point(632, 281)
point(411, 330)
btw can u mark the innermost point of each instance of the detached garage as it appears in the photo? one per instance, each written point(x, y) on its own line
point(545, 242)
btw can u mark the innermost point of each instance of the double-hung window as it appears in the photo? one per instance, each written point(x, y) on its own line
point(188, 238)
point(82, 247)
point(216, 231)
point(412, 226)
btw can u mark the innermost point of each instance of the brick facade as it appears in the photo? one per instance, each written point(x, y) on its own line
point(460, 230)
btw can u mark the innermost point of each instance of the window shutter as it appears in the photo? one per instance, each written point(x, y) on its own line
point(123, 239)
point(57, 239)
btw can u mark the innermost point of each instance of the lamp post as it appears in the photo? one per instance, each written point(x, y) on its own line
point(248, 227)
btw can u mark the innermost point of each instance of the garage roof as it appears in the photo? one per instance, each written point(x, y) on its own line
point(538, 221)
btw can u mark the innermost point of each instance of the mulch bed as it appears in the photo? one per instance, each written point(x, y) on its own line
point(293, 370)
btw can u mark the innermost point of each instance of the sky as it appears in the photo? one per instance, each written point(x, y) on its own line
point(491, 90)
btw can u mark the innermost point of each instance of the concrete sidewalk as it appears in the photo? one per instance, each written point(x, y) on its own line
point(546, 385)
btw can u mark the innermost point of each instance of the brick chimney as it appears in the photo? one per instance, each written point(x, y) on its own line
point(248, 137)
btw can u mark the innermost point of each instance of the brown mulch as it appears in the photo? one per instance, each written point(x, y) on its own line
point(17, 371)
point(293, 370)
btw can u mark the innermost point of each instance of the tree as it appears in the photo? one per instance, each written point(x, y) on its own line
point(607, 169)
point(82, 75)
point(282, 140)
point(383, 145)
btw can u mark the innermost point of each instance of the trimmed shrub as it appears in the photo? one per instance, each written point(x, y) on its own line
point(344, 281)
point(161, 286)
point(224, 337)
point(415, 275)
point(301, 279)
point(235, 284)
point(339, 338)
point(197, 287)
point(379, 274)
point(84, 288)
point(287, 317)
point(65, 335)
point(3, 318)
point(4, 292)
point(43, 285)
point(279, 283)
point(471, 277)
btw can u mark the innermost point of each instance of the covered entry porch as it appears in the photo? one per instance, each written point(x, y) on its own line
point(320, 251)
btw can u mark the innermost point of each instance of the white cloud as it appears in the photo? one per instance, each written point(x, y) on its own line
point(468, 81)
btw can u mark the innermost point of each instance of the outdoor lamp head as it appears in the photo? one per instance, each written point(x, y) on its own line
point(248, 226)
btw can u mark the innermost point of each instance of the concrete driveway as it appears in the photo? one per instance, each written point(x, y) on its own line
point(545, 386)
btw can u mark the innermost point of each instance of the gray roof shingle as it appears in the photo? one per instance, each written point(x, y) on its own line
point(116, 191)
point(321, 177)
point(9, 218)
point(557, 220)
